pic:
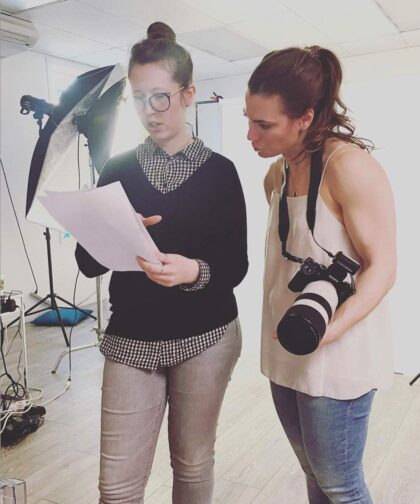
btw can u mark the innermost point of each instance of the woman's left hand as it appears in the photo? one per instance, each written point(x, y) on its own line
point(174, 269)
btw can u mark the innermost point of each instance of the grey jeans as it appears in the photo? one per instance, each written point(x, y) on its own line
point(133, 406)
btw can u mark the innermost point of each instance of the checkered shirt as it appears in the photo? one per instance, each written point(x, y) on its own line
point(166, 173)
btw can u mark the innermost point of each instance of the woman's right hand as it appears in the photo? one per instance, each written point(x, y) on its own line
point(149, 221)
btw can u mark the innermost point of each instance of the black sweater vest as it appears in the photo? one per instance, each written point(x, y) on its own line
point(204, 218)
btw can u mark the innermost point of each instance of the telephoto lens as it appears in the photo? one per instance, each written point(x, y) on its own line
point(304, 324)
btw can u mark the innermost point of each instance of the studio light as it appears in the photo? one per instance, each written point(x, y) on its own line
point(89, 107)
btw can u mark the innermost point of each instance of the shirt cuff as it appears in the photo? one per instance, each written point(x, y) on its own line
point(203, 278)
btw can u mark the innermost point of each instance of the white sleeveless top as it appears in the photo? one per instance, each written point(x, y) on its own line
point(361, 359)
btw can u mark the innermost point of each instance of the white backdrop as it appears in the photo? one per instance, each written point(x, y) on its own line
point(387, 111)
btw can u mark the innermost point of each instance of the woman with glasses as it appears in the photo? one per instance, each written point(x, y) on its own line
point(173, 336)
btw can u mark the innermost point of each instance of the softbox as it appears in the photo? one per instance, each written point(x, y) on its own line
point(88, 106)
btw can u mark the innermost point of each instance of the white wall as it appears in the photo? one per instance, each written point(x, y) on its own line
point(251, 170)
point(382, 92)
point(209, 123)
point(387, 112)
point(22, 74)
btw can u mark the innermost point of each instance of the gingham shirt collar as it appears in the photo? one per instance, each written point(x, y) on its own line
point(196, 151)
point(166, 173)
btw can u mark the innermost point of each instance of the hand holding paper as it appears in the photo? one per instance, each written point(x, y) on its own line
point(103, 221)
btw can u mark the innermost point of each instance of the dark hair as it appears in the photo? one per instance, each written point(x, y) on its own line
point(161, 45)
point(308, 78)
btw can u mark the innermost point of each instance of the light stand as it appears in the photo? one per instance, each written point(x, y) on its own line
point(99, 306)
point(413, 381)
point(52, 296)
point(99, 330)
point(41, 107)
point(88, 106)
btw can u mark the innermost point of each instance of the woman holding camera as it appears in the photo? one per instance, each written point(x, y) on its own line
point(173, 336)
point(323, 398)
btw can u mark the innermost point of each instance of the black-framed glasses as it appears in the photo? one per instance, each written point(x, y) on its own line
point(159, 102)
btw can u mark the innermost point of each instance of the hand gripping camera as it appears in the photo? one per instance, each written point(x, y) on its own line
point(322, 289)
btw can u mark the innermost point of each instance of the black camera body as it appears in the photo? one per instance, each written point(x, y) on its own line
point(335, 273)
point(322, 289)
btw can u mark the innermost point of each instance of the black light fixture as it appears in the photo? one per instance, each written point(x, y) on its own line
point(214, 98)
point(89, 107)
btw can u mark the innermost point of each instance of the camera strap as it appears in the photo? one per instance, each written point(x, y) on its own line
point(284, 222)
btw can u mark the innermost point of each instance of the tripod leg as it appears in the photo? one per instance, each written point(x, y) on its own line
point(66, 352)
point(415, 379)
point(30, 310)
point(99, 330)
point(75, 307)
point(57, 311)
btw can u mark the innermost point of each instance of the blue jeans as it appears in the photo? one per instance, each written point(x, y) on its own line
point(328, 437)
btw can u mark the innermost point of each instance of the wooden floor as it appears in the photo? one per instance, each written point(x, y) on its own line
point(254, 463)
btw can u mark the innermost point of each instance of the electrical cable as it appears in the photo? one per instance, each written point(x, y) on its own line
point(78, 158)
point(74, 320)
point(15, 390)
point(19, 391)
point(18, 224)
point(68, 382)
point(18, 330)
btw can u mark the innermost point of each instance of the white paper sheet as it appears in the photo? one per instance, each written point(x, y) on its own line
point(103, 221)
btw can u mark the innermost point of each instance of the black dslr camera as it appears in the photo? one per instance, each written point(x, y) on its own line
point(322, 289)
point(335, 273)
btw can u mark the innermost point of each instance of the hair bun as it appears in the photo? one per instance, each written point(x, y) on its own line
point(160, 30)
